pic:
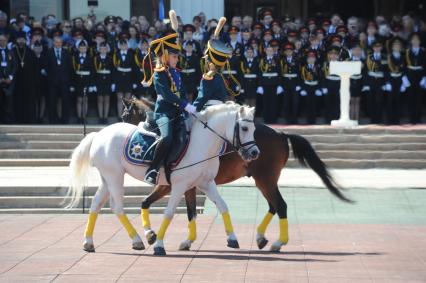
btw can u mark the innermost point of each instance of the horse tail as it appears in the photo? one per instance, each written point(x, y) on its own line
point(307, 156)
point(145, 104)
point(79, 165)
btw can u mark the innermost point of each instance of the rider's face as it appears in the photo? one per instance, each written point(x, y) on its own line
point(173, 60)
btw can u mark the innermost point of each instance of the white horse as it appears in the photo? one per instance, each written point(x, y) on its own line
point(104, 150)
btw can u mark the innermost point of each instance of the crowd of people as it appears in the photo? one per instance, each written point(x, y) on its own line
point(54, 72)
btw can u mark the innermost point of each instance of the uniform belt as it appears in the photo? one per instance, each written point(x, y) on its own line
point(250, 76)
point(415, 68)
point(356, 77)
point(105, 72)
point(269, 75)
point(290, 76)
point(124, 70)
point(384, 62)
point(188, 71)
point(395, 75)
point(232, 72)
point(333, 78)
point(376, 74)
point(83, 73)
point(311, 82)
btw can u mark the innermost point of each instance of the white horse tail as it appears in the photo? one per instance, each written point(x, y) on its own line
point(79, 165)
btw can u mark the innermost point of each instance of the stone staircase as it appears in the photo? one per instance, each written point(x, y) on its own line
point(37, 146)
point(363, 147)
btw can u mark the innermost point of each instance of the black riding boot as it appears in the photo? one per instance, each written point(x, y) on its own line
point(160, 155)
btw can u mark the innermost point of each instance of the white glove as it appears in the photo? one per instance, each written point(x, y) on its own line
point(90, 89)
point(324, 90)
point(298, 88)
point(43, 72)
point(280, 90)
point(405, 82)
point(318, 92)
point(242, 91)
point(145, 84)
point(303, 93)
point(365, 88)
point(134, 86)
point(190, 108)
point(237, 88)
point(113, 87)
point(423, 83)
point(94, 88)
point(259, 90)
point(72, 89)
point(388, 87)
point(402, 88)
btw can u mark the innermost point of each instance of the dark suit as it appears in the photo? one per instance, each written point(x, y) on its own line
point(7, 71)
point(59, 74)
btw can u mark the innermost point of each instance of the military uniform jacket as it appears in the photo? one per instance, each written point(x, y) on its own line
point(328, 80)
point(125, 70)
point(416, 62)
point(190, 71)
point(7, 70)
point(104, 73)
point(358, 81)
point(311, 75)
point(376, 67)
point(211, 88)
point(171, 98)
point(270, 69)
point(396, 66)
point(83, 72)
point(290, 69)
point(249, 75)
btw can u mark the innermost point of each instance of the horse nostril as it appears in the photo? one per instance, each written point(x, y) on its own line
point(254, 153)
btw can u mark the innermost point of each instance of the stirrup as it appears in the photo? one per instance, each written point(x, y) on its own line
point(152, 180)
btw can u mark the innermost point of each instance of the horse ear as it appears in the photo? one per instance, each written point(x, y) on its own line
point(242, 111)
point(126, 102)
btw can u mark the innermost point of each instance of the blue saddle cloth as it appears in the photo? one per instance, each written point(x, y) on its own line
point(139, 148)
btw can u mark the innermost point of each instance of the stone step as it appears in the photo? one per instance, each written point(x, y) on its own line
point(369, 146)
point(128, 210)
point(24, 137)
point(39, 145)
point(58, 202)
point(66, 129)
point(372, 155)
point(35, 153)
point(41, 190)
point(34, 162)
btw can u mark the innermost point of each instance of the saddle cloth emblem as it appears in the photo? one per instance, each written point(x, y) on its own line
point(139, 147)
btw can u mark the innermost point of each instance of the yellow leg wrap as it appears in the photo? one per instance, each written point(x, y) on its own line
point(264, 224)
point(227, 222)
point(127, 225)
point(163, 228)
point(284, 230)
point(90, 224)
point(145, 218)
point(192, 227)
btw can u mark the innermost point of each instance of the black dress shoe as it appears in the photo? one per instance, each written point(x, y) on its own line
point(151, 177)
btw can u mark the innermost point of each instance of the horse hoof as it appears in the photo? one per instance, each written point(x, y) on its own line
point(233, 244)
point(159, 251)
point(90, 248)
point(151, 237)
point(185, 245)
point(276, 247)
point(139, 246)
point(261, 243)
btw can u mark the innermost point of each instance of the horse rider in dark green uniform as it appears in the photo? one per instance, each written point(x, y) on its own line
point(171, 99)
point(213, 87)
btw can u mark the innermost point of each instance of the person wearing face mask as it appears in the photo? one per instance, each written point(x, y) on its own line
point(310, 73)
point(270, 84)
point(376, 82)
point(24, 95)
point(83, 78)
point(291, 82)
point(415, 59)
point(397, 80)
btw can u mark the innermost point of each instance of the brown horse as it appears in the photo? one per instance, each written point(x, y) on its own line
point(265, 170)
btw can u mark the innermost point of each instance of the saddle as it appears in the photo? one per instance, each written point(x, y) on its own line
point(141, 143)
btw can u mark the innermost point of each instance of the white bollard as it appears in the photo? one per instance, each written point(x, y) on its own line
point(345, 70)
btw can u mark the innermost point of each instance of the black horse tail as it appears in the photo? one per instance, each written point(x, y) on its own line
point(306, 155)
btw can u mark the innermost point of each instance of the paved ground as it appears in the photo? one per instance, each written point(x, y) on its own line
point(378, 239)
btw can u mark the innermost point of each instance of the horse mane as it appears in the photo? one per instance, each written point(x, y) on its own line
point(219, 108)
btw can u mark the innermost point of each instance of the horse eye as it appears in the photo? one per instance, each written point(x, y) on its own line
point(245, 129)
